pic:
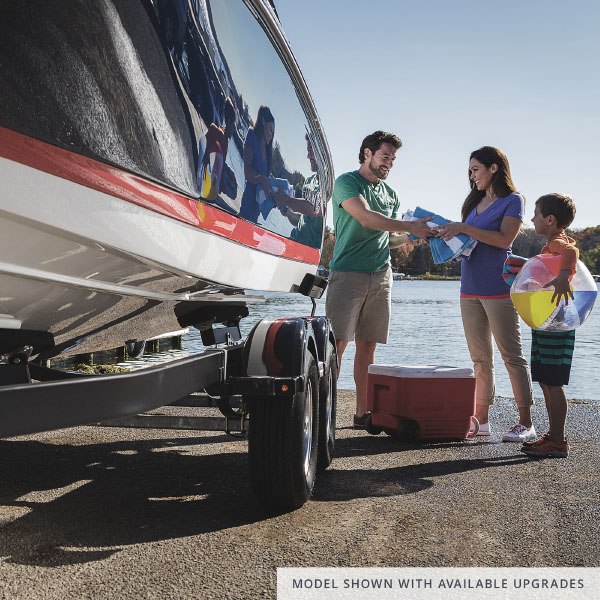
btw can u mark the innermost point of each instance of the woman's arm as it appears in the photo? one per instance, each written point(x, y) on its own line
point(251, 174)
point(509, 229)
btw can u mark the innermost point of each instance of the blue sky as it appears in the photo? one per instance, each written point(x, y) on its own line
point(451, 76)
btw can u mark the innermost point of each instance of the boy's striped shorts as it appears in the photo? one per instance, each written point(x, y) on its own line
point(551, 356)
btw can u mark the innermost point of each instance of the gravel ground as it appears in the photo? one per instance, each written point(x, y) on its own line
point(95, 512)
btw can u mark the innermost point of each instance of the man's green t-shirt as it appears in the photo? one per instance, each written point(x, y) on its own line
point(356, 247)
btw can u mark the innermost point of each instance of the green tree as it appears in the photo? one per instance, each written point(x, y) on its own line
point(591, 259)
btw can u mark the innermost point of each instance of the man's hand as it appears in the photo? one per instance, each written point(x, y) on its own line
point(401, 241)
point(562, 287)
point(419, 228)
point(280, 198)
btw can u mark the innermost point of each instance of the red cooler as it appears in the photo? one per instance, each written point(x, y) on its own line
point(439, 400)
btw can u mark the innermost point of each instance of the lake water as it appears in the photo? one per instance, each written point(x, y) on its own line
point(426, 328)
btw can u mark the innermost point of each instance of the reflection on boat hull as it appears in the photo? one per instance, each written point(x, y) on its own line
point(105, 235)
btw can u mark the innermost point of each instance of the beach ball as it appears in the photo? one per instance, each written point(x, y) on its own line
point(534, 302)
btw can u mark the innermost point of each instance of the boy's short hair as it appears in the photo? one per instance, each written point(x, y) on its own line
point(560, 206)
point(374, 141)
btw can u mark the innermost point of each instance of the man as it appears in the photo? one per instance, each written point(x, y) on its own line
point(305, 213)
point(360, 281)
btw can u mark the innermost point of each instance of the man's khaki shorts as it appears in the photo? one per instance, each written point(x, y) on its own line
point(358, 305)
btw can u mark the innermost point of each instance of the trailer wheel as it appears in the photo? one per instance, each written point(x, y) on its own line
point(327, 410)
point(282, 444)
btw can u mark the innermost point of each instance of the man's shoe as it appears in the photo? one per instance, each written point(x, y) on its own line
point(532, 443)
point(519, 433)
point(548, 448)
point(360, 422)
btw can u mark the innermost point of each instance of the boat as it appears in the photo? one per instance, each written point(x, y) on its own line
point(104, 234)
point(121, 193)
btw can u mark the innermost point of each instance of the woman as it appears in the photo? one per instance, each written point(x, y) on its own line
point(492, 214)
point(258, 151)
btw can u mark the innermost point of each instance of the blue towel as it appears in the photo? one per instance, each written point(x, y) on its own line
point(442, 251)
point(266, 205)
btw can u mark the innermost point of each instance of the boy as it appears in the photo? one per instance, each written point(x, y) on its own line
point(552, 352)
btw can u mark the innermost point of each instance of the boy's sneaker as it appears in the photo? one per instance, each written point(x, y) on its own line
point(548, 448)
point(537, 442)
point(519, 433)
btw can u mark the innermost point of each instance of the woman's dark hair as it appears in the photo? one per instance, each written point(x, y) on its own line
point(264, 116)
point(374, 141)
point(502, 183)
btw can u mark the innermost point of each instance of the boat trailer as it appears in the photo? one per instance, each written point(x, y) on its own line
point(279, 386)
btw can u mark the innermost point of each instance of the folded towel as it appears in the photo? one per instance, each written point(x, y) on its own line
point(512, 265)
point(442, 251)
point(264, 202)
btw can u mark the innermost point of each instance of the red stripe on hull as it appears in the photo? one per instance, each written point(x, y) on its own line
point(148, 194)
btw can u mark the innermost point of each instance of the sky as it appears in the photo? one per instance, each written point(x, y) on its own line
point(450, 76)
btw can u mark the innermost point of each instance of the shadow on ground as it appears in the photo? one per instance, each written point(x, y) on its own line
point(349, 484)
point(76, 504)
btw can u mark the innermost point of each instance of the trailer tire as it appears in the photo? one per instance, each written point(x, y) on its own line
point(283, 438)
point(327, 410)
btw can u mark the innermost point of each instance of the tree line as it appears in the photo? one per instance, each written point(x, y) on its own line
point(419, 261)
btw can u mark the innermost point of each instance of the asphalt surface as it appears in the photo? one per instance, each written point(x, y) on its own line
point(95, 512)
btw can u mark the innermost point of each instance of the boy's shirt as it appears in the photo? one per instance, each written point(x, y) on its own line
point(564, 246)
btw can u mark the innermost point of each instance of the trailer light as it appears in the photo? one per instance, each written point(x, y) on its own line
point(284, 388)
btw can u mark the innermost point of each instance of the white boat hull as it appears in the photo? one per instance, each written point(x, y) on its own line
point(112, 228)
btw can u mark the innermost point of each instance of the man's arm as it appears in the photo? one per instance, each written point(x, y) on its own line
point(298, 205)
point(358, 208)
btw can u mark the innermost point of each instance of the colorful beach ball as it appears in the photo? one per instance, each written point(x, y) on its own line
point(534, 302)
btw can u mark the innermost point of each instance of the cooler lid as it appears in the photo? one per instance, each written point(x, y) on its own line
point(420, 371)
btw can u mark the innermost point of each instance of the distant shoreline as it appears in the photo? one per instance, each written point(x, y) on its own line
point(425, 278)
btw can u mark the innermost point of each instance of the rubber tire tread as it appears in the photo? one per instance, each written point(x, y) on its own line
point(327, 446)
point(275, 447)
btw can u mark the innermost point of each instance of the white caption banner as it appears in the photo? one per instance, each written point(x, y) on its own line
point(432, 583)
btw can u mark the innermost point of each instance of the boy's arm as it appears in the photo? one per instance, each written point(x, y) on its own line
point(562, 287)
point(568, 266)
point(568, 251)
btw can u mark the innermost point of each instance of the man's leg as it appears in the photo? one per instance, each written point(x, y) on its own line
point(365, 356)
point(372, 329)
point(340, 346)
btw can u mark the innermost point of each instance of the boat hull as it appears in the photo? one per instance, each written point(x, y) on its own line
point(105, 235)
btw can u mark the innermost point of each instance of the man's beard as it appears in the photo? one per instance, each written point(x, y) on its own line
point(377, 172)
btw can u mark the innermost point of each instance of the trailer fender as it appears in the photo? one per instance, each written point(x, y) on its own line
point(324, 339)
point(277, 347)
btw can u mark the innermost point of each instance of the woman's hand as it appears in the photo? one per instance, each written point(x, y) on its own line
point(266, 185)
point(562, 287)
point(449, 230)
